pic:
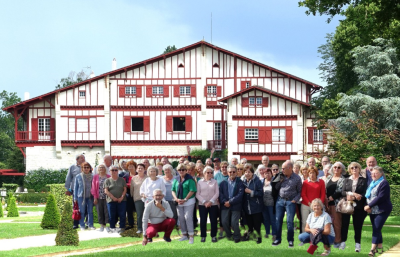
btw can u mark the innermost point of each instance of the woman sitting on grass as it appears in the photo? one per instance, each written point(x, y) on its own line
point(83, 196)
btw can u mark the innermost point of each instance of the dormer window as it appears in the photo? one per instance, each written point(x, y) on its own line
point(82, 94)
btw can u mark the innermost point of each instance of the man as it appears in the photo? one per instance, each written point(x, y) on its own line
point(146, 164)
point(243, 161)
point(265, 160)
point(107, 161)
point(311, 163)
point(74, 170)
point(234, 161)
point(209, 162)
point(231, 197)
point(325, 160)
point(182, 160)
point(157, 217)
point(366, 173)
point(217, 163)
point(289, 191)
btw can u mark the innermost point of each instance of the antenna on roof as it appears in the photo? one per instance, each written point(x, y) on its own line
point(211, 27)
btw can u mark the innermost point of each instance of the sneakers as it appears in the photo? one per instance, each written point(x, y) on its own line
point(191, 240)
point(291, 244)
point(276, 243)
point(139, 232)
point(214, 240)
point(203, 239)
point(167, 239)
point(301, 244)
point(101, 229)
point(108, 230)
point(336, 245)
point(358, 247)
point(83, 228)
point(92, 228)
point(112, 230)
point(183, 238)
point(325, 253)
point(342, 246)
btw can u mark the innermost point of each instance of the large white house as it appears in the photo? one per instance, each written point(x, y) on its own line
point(200, 95)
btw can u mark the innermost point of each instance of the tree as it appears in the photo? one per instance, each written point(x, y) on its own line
point(72, 78)
point(169, 49)
point(66, 235)
point(12, 207)
point(51, 217)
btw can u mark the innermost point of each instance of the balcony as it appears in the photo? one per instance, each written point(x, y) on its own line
point(217, 144)
point(27, 136)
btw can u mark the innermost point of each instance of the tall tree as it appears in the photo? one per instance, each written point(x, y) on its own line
point(169, 49)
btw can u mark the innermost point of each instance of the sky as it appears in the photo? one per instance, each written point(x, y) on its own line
point(43, 41)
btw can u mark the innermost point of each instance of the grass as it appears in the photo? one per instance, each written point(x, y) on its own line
point(24, 219)
point(31, 208)
point(14, 230)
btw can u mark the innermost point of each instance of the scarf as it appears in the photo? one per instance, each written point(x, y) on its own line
point(180, 186)
point(371, 186)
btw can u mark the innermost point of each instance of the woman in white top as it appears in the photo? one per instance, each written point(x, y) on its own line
point(150, 184)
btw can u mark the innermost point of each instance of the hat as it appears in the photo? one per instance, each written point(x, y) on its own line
point(216, 159)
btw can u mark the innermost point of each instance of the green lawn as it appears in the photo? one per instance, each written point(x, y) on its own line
point(14, 230)
point(30, 208)
point(24, 219)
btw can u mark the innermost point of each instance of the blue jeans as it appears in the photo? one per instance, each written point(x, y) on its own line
point(115, 210)
point(290, 208)
point(269, 219)
point(88, 205)
point(305, 238)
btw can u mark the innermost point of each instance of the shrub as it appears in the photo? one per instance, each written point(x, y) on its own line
point(37, 179)
point(44, 189)
point(58, 190)
point(32, 197)
point(66, 235)
point(95, 215)
point(31, 190)
point(12, 207)
point(10, 187)
point(395, 198)
point(1, 210)
point(51, 217)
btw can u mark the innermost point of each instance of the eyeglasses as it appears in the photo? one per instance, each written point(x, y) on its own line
point(209, 172)
point(337, 167)
point(114, 170)
point(231, 171)
point(224, 167)
point(240, 169)
point(86, 167)
point(181, 170)
point(275, 169)
point(354, 167)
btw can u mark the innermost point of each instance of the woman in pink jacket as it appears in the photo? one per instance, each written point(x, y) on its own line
point(100, 196)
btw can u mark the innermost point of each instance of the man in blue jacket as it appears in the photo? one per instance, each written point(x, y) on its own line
point(231, 198)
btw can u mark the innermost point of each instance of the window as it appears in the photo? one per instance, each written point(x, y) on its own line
point(82, 94)
point(211, 90)
point(247, 84)
point(82, 125)
point(317, 135)
point(44, 124)
point(130, 90)
point(158, 90)
point(92, 123)
point(259, 101)
point(179, 123)
point(137, 124)
point(71, 125)
point(185, 90)
point(217, 131)
point(251, 134)
point(251, 100)
point(278, 135)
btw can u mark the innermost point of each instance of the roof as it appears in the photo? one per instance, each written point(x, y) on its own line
point(252, 88)
point(154, 59)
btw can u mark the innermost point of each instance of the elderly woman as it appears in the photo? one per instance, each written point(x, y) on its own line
point(318, 229)
point(82, 195)
point(169, 180)
point(312, 188)
point(100, 196)
point(136, 183)
point(240, 170)
point(130, 205)
point(243, 161)
point(354, 189)
point(326, 169)
point(191, 170)
point(334, 184)
point(275, 169)
point(151, 183)
point(122, 169)
point(183, 191)
point(207, 195)
point(378, 206)
point(115, 189)
point(199, 168)
point(253, 203)
point(269, 199)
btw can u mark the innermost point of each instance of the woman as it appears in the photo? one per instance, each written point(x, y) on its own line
point(130, 205)
point(312, 188)
point(183, 191)
point(269, 217)
point(169, 180)
point(136, 183)
point(199, 168)
point(304, 172)
point(82, 195)
point(100, 196)
point(318, 229)
point(207, 195)
point(253, 203)
point(275, 169)
point(326, 170)
point(151, 183)
point(240, 170)
point(354, 189)
point(303, 169)
point(334, 184)
point(296, 168)
point(115, 189)
point(122, 169)
point(191, 170)
point(159, 166)
point(378, 206)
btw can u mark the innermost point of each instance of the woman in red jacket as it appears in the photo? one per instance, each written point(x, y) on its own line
point(312, 188)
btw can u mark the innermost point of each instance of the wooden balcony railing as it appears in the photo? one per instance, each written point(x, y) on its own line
point(217, 144)
point(23, 136)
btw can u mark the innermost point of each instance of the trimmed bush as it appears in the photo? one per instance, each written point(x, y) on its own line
point(12, 207)
point(1, 210)
point(37, 179)
point(10, 187)
point(58, 190)
point(395, 199)
point(32, 197)
point(31, 190)
point(66, 235)
point(51, 217)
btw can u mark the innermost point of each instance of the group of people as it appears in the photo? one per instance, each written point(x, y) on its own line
point(231, 195)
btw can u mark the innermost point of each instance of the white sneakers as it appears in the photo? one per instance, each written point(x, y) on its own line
point(191, 240)
point(358, 247)
point(183, 238)
point(342, 246)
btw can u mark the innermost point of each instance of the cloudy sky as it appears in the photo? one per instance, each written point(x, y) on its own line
point(42, 41)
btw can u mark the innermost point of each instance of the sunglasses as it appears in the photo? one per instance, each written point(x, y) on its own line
point(353, 168)
point(114, 170)
point(337, 167)
point(86, 167)
point(181, 170)
point(275, 169)
point(209, 172)
point(231, 171)
point(224, 167)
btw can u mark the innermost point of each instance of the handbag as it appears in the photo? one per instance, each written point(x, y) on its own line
point(345, 206)
point(76, 214)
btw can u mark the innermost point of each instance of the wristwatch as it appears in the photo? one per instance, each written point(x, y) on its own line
point(186, 200)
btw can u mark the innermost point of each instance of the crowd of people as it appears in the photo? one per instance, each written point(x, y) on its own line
point(231, 195)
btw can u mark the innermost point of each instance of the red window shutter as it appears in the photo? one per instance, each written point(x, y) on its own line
point(193, 90)
point(166, 91)
point(262, 136)
point(219, 91)
point(149, 91)
point(52, 128)
point(310, 136)
point(138, 91)
point(34, 129)
point(176, 91)
point(240, 135)
point(289, 135)
point(127, 124)
point(205, 91)
point(245, 102)
point(121, 91)
point(188, 123)
point(324, 138)
point(146, 124)
point(268, 135)
point(265, 102)
point(169, 124)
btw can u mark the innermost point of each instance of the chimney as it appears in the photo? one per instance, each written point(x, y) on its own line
point(114, 64)
point(26, 96)
point(91, 75)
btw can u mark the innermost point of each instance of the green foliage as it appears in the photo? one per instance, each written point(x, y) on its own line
point(203, 154)
point(1, 209)
point(330, 110)
point(31, 190)
point(51, 217)
point(169, 49)
point(12, 207)
point(32, 197)
point(38, 179)
point(66, 235)
point(58, 190)
point(10, 187)
point(395, 199)
point(95, 215)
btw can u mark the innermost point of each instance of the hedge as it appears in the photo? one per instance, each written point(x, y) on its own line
point(395, 199)
point(38, 179)
point(11, 187)
point(1, 210)
point(32, 197)
point(58, 190)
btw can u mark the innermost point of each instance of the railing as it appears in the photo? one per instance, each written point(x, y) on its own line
point(217, 144)
point(35, 136)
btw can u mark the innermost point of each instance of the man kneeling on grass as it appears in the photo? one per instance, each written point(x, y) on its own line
point(157, 217)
